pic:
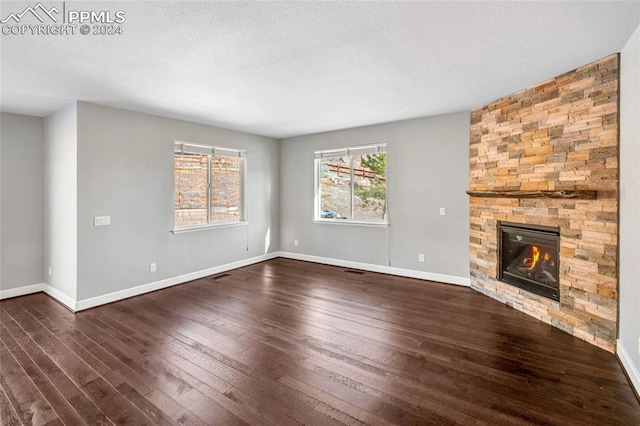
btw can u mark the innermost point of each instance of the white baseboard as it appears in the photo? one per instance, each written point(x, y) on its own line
point(61, 297)
point(92, 302)
point(157, 285)
point(431, 276)
point(22, 291)
point(628, 365)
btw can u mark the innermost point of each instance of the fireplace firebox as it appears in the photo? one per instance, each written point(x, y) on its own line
point(528, 258)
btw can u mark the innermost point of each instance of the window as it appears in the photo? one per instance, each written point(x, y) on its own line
point(208, 185)
point(351, 184)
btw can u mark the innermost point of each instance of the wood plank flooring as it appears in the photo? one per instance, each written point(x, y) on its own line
point(286, 342)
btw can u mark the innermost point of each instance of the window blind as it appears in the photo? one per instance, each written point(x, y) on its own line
point(192, 148)
point(357, 150)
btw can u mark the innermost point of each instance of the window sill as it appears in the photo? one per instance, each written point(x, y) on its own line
point(210, 226)
point(352, 222)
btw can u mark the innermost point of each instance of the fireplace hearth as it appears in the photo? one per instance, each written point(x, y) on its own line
point(529, 258)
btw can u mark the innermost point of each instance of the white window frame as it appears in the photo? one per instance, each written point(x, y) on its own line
point(341, 152)
point(181, 147)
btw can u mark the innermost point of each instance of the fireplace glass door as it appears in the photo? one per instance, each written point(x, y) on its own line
point(529, 258)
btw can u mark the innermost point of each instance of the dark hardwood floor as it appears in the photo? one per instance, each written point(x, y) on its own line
point(286, 342)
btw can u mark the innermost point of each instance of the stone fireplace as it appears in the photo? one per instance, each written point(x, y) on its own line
point(546, 158)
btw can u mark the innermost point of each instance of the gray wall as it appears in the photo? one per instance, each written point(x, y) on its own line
point(428, 168)
point(61, 200)
point(125, 170)
point(630, 199)
point(22, 215)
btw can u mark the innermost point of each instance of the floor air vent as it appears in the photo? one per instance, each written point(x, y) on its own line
point(353, 271)
point(217, 277)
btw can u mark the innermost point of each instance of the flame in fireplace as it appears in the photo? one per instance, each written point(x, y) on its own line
point(535, 251)
point(535, 257)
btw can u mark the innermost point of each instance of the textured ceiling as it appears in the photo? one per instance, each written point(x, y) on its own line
point(289, 68)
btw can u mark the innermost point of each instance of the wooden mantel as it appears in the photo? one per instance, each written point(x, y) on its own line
point(570, 194)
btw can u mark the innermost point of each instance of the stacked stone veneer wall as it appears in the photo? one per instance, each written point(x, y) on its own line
point(560, 134)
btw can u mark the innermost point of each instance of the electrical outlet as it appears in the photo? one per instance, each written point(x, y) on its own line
point(50, 273)
point(295, 243)
point(443, 211)
point(421, 257)
point(152, 267)
point(102, 221)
